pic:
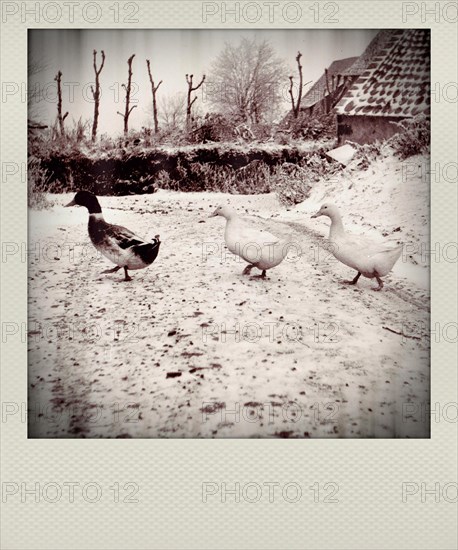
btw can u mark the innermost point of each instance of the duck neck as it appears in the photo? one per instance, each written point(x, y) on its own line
point(337, 228)
point(96, 216)
point(95, 211)
point(93, 206)
point(231, 217)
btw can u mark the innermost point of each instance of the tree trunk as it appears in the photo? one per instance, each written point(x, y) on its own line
point(153, 91)
point(128, 109)
point(190, 102)
point(296, 106)
point(96, 93)
point(60, 118)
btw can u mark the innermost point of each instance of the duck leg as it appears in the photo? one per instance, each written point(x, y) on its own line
point(126, 275)
point(262, 276)
point(380, 283)
point(117, 268)
point(247, 269)
point(353, 281)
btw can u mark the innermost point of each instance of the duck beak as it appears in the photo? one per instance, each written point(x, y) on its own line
point(71, 203)
point(215, 213)
point(316, 215)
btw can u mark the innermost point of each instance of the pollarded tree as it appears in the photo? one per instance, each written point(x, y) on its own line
point(128, 109)
point(190, 102)
point(154, 89)
point(96, 91)
point(60, 117)
point(296, 104)
point(246, 80)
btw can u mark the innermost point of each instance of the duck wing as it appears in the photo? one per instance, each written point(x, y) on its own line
point(123, 237)
point(254, 245)
point(366, 256)
point(365, 246)
point(245, 235)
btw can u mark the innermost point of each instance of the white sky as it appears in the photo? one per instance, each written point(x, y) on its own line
point(172, 53)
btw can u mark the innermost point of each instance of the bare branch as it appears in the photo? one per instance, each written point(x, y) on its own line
point(190, 102)
point(199, 85)
point(326, 73)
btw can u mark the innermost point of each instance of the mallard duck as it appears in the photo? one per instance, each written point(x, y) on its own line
point(368, 258)
point(115, 242)
point(257, 247)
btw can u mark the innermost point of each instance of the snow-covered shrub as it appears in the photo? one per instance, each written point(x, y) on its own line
point(37, 181)
point(367, 153)
point(307, 126)
point(413, 138)
point(293, 182)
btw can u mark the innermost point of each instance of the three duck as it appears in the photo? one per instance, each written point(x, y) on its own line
point(259, 248)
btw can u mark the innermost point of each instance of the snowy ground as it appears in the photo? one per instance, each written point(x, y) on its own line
point(191, 348)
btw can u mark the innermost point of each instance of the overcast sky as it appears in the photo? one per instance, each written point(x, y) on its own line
point(173, 53)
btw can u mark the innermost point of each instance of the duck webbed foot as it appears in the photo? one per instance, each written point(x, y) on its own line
point(117, 268)
point(126, 275)
point(262, 276)
point(247, 269)
point(353, 281)
point(380, 284)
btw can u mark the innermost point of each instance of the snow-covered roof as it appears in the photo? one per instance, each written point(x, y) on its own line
point(396, 78)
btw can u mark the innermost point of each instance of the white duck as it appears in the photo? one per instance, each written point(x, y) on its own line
point(259, 248)
point(370, 259)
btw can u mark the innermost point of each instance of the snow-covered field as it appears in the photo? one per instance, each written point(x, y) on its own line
point(191, 348)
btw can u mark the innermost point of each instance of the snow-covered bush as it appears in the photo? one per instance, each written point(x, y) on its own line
point(413, 138)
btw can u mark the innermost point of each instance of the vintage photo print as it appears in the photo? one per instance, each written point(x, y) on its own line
point(228, 276)
point(230, 232)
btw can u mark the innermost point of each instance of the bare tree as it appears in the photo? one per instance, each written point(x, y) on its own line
point(96, 92)
point(245, 81)
point(190, 102)
point(35, 87)
point(173, 111)
point(154, 89)
point(296, 105)
point(128, 109)
point(332, 86)
point(60, 117)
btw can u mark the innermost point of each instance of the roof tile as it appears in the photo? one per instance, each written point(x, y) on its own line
point(396, 76)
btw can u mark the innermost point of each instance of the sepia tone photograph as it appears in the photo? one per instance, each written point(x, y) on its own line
point(229, 233)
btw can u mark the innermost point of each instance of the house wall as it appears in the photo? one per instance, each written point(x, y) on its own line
point(365, 129)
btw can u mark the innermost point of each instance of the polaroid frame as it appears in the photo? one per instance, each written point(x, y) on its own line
point(189, 494)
